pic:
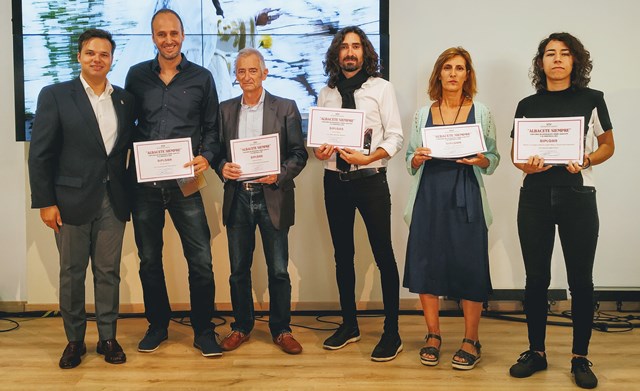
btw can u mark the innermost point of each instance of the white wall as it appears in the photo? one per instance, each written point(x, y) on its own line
point(13, 245)
point(502, 37)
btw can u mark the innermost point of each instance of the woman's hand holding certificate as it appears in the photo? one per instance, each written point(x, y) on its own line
point(454, 141)
point(555, 140)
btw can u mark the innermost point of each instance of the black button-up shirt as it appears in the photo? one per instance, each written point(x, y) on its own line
point(186, 107)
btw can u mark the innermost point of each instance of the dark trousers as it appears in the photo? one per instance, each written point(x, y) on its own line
point(248, 211)
point(101, 242)
point(188, 216)
point(574, 211)
point(371, 197)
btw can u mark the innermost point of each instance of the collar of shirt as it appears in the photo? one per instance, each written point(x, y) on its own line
point(108, 89)
point(251, 118)
point(104, 112)
point(244, 106)
point(184, 63)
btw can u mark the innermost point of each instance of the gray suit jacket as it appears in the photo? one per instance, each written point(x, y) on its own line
point(280, 116)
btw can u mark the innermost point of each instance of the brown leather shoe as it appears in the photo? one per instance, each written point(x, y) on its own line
point(113, 353)
point(288, 343)
point(234, 340)
point(72, 355)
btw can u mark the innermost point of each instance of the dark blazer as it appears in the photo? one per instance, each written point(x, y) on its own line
point(68, 163)
point(280, 116)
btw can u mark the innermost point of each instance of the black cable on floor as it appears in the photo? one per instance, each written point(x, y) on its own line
point(259, 318)
point(603, 322)
point(14, 325)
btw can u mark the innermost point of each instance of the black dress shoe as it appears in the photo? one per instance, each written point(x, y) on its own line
point(113, 353)
point(72, 355)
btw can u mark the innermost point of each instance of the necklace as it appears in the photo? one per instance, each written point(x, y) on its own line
point(458, 113)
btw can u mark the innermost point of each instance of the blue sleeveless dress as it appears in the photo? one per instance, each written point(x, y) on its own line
point(447, 250)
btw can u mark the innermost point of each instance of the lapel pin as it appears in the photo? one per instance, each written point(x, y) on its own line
point(121, 102)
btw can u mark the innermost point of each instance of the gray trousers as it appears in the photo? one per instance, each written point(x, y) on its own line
point(101, 241)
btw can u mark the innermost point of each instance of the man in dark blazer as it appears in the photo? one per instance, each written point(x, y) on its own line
point(81, 135)
point(266, 202)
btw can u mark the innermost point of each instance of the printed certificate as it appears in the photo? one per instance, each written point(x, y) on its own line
point(160, 160)
point(257, 156)
point(558, 140)
point(454, 141)
point(343, 128)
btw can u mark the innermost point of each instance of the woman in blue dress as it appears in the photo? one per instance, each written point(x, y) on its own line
point(447, 212)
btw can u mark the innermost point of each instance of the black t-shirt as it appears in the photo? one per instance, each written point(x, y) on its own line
point(572, 102)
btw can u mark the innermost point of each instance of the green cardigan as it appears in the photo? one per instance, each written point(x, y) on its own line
point(484, 118)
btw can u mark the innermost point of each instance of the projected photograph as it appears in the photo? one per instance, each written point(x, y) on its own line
point(292, 35)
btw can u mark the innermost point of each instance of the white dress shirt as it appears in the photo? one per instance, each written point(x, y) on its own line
point(377, 98)
point(104, 112)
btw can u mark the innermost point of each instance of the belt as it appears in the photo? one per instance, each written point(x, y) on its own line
point(359, 174)
point(251, 186)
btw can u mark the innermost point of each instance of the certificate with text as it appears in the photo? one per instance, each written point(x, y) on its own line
point(161, 160)
point(558, 140)
point(454, 141)
point(343, 128)
point(257, 156)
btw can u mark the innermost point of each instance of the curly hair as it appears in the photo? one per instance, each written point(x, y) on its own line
point(582, 64)
point(469, 89)
point(332, 58)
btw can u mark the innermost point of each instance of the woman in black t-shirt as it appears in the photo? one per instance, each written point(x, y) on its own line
point(564, 196)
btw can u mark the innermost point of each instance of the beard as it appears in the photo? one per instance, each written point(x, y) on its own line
point(352, 66)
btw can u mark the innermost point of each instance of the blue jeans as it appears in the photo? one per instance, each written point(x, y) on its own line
point(573, 209)
point(248, 210)
point(188, 216)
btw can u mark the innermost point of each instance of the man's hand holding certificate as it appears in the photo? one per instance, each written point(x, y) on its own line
point(556, 140)
point(161, 160)
point(454, 141)
point(342, 128)
point(256, 156)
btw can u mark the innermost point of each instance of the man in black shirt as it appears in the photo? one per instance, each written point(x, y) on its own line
point(174, 98)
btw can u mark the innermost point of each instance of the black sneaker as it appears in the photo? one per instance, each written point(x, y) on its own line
point(584, 377)
point(207, 344)
point(529, 363)
point(152, 339)
point(344, 335)
point(388, 347)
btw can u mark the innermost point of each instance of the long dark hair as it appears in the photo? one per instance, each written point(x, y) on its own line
point(332, 69)
point(582, 64)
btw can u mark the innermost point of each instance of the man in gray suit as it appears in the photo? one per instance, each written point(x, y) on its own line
point(81, 134)
point(267, 202)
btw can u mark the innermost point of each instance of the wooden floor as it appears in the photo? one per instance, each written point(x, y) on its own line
point(29, 360)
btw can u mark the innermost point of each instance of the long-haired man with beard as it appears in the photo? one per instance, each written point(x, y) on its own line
point(356, 179)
